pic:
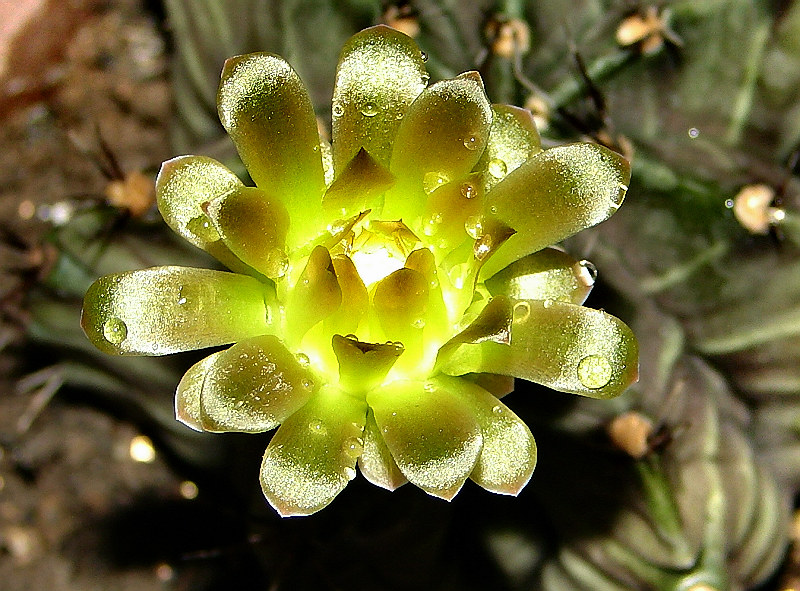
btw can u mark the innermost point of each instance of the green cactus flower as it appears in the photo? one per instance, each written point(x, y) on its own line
point(386, 289)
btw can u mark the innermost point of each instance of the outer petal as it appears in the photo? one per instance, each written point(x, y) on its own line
point(313, 455)
point(381, 71)
point(170, 309)
point(439, 140)
point(508, 456)
point(549, 274)
point(187, 395)
point(513, 140)
point(433, 435)
point(553, 195)
point(253, 227)
point(183, 185)
point(563, 346)
point(376, 462)
point(266, 109)
point(253, 387)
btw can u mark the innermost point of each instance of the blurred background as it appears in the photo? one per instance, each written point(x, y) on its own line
point(686, 482)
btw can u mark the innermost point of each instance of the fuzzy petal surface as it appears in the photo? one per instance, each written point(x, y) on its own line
point(560, 345)
point(253, 386)
point(433, 434)
point(554, 195)
point(266, 110)
point(313, 454)
point(381, 71)
point(166, 310)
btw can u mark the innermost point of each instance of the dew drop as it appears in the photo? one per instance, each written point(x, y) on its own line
point(115, 331)
point(337, 110)
point(432, 181)
point(521, 312)
point(369, 110)
point(418, 323)
point(472, 142)
point(497, 168)
point(399, 115)
point(303, 359)
point(547, 303)
point(586, 272)
point(424, 56)
point(276, 263)
point(307, 384)
point(474, 226)
point(317, 427)
point(594, 371)
point(349, 472)
point(353, 446)
point(428, 387)
point(425, 78)
point(468, 190)
point(202, 227)
point(498, 410)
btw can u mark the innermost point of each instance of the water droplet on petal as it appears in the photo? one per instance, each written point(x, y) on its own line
point(399, 115)
point(586, 272)
point(594, 371)
point(498, 410)
point(472, 142)
point(307, 384)
point(547, 303)
point(303, 359)
point(428, 387)
point(337, 110)
point(424, 56)
point(202, 227)
point(369, 110)
point(317, 427)
point(419, 323)
point(353, 446)
point(425, 78)
point(521, 311)
point(468, 190)
point(276, 263)
point(474, 226)
point(432, 181)
point(497, 168)
point(115, 331)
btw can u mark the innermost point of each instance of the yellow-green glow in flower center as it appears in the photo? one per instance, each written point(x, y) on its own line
point(374, 265)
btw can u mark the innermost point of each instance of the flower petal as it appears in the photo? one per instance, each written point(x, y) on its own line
point(170, 309)
point(363, 366)
point(316, 295)
point(439, 140)
point(381, 71)
point(253, 227)
point(183, 185)
point(433, 435)
point(508, 456)
point(187, 395)
point(266, 109)
point(560, 345)
point(253, 387)
point(362, 180)
point(550, 274)
point(313, 454)
point(376, 462)
point(513, 140)
point(553, 195)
